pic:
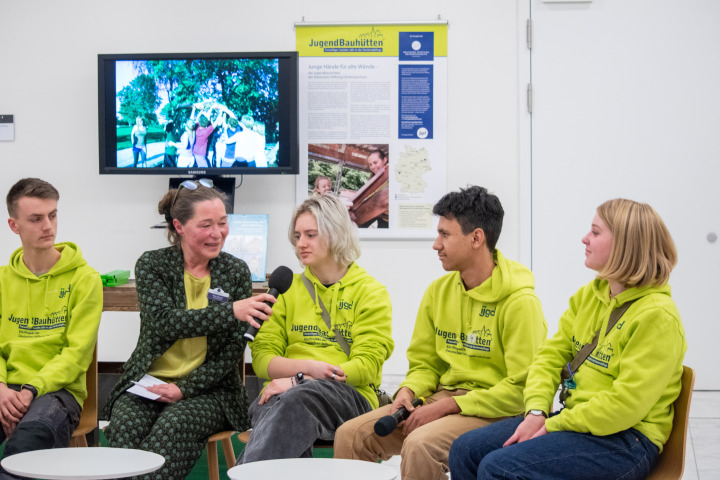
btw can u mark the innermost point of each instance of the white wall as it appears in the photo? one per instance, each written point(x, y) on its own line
point(626, 105)
point(48, 80)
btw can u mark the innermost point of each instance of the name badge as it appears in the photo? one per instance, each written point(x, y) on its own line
point(218, 295)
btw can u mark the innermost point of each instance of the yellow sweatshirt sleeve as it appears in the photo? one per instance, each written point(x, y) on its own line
point(271, 341)
point(544, 374)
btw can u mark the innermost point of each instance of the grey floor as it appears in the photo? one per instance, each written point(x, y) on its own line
point(702, 460)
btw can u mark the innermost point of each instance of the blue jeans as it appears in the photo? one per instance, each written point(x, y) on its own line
point(48, 423)
point(479, 454)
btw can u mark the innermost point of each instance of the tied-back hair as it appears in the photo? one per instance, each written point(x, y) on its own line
point(184, 207)
point(29, 187)
point(643, 252)
point(474, 207)
point(382, 154)
point(334, 226)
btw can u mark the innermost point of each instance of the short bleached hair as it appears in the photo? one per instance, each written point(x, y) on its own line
point(643, 252)
point(334, 227)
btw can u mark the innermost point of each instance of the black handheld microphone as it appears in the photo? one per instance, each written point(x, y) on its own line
point(387, 424)
point(279, 283)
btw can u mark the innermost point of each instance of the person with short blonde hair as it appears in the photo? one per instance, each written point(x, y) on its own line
point(334, 225)
point(643, 251)
point(618, 401)
point(322, 368)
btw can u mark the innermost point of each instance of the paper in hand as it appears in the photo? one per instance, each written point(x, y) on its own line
point(140, 387)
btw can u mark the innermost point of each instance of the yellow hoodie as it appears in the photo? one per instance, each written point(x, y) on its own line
point(631, 379)
point(359, 306)
point(49, 324)
point(482, 340)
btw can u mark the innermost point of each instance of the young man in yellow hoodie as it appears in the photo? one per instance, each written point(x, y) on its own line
point(476, 333)
point(50, 307)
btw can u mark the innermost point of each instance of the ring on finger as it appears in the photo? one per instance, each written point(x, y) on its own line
point(332, 377)
point(335, 371)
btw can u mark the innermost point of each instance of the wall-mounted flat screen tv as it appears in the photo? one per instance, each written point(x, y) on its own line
point(198, 113)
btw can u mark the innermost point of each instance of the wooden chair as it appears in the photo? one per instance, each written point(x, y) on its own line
point(212, 457)
point(225, 439)
point(671, 463)
point(89, 415)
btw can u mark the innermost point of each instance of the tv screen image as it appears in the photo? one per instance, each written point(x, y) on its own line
point(198, 114)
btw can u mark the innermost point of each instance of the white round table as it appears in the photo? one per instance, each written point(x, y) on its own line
point(312, 469)
point(83, 463)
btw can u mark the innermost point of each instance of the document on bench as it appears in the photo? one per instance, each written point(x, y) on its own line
point(140, 387)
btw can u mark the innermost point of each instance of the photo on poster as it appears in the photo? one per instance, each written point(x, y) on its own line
point(358, 174)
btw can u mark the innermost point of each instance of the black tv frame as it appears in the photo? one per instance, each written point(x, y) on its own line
point(287, 114)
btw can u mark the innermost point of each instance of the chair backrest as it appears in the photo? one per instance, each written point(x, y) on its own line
point(89, 415)
point(90, 405)
point(671, 463)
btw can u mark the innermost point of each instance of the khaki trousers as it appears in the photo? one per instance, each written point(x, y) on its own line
point(424, 452)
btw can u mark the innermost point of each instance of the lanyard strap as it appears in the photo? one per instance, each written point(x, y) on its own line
point(325, 315)
point(568, 371)
point(383, 398)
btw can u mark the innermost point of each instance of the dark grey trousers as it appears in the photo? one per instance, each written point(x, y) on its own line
point(287, 425)
point(48, 423)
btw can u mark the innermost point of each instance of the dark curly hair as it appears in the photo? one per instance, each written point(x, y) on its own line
point(474, 207)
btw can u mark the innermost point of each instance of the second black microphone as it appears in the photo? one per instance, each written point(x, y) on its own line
point(387, 424)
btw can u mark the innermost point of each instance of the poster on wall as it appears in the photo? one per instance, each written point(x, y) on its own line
point(373, 122)
point(248, 240)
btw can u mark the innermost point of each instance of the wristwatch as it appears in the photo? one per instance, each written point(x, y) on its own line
point(539, 413)
point(33, 390)
point(299, 378)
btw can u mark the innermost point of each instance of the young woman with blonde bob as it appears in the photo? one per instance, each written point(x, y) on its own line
point(619, 408)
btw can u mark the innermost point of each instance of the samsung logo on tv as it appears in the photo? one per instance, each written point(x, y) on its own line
point(196, 172)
